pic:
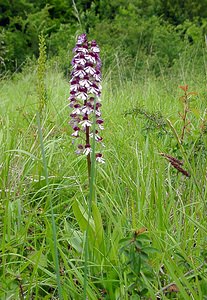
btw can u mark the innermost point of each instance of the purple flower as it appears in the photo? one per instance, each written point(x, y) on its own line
point(85, 92)
point(85, 122)
point(87, 149)
point(76, 131)
point(79, 149)
point(82, 39)
point(99, 158)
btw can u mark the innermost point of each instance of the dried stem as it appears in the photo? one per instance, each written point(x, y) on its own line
point(185, 99)
point(171, 158)
point(176, 163)
point(184, 117)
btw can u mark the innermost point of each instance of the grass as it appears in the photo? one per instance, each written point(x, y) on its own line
point(136, 188)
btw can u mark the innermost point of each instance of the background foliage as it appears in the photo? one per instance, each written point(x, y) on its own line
point(156, 31)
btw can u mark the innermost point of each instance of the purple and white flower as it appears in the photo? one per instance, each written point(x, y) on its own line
point(85, 92)
point(80, 149)
point(87, 149)
point(99, 158)
point(85, 122)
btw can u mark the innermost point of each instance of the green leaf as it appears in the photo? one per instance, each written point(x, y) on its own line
point(37, 257)
point(82, 217)
point(75, 238)
point(125, 240)
point(144, 256)
point(99, 231)
point(143, 237)
point(150, 250)
point(138, 244)
point(143, 291)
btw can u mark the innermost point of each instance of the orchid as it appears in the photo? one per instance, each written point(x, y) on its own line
point(85, 92)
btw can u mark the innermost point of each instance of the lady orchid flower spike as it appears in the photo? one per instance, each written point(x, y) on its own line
point(85, 92)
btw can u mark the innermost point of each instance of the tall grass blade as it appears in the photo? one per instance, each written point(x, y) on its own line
point(54, 231)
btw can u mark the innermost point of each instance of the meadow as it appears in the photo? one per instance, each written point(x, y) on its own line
point(145, 228)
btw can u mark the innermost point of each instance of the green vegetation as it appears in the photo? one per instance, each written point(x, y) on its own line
point(138, 229)
point(135, 189)
point(156, 31)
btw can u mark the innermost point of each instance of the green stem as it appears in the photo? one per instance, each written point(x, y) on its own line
point(90, 201)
